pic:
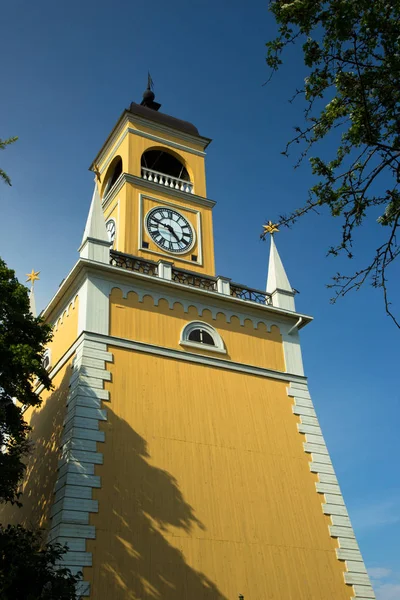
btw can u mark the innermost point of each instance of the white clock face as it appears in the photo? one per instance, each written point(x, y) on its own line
point(111, 229)
point(170, 230)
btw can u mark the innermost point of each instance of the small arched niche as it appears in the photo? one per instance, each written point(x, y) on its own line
point(164, 168)
point(113, 172)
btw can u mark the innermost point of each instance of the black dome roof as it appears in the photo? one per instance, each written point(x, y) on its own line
point(163, 119)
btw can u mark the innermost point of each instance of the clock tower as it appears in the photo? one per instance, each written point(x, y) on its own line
point(179, 455)
point(151, 178)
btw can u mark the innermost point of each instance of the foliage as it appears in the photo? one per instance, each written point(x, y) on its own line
point(3, 145)
point(29, 568)
point(22, 342)
point(352, 93)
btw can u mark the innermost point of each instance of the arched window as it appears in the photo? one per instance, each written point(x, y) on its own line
point(201, 335)
point(165, 163)
point(114, 171)
point(46, 360)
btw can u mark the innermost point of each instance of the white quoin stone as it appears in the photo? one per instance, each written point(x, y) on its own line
point(95, 242)
point(278, 285)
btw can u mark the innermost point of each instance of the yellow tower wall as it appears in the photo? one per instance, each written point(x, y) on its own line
point(206, 490)
point(41, 471)
point(162, 326)
point(65, 331)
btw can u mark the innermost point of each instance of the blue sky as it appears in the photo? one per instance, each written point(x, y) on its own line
point(69, 70)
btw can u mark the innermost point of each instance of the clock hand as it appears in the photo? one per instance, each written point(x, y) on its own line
point(171, 230)
point(166, 226)
point(157, 221)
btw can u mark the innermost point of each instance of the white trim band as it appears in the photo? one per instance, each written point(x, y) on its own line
point(211, 361)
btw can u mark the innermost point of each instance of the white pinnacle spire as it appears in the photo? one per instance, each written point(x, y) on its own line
point(277, 278)
point(32, 303)
point(278, 283)
point(95, 224)
point(95, 242)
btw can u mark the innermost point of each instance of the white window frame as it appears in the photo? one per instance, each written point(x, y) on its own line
point(219, 346)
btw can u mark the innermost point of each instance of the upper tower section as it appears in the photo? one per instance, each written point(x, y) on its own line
point(152, 183)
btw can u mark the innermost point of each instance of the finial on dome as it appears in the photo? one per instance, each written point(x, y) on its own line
point(149, 95)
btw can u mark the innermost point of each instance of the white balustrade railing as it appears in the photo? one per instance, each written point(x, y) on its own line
point(167, 180)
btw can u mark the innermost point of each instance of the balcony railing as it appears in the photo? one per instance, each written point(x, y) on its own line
point(167, 180)
point(164, 270)
point(132, 263)
point(249, 294)
point(194, 280)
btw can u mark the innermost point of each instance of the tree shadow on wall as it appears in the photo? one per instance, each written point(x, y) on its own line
point(140, 509)
point(41, 465)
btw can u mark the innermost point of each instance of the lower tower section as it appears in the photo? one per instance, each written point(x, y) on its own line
point(206, 491)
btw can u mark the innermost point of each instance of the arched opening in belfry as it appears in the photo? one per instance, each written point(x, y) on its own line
point(164, 168)
point(114, 171)
point(164, 162)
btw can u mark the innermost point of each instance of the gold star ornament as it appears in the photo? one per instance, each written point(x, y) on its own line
point(33, 276)
point(270, 228)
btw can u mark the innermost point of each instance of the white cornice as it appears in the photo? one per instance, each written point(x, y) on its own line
point(195, 139)
point(219, 363)
point(67, 289)
point(155, 187)
point(186, 356)
point(215, 300)
point(158, 139)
